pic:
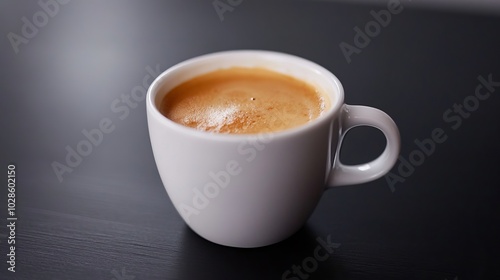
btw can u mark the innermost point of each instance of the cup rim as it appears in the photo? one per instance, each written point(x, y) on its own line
point(327, 116)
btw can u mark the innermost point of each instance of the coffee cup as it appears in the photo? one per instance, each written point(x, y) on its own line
point(253, 190)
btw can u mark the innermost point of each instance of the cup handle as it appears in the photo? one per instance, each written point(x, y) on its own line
point(352, 116)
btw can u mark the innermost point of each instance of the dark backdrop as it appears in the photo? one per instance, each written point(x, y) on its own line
point(66, 66)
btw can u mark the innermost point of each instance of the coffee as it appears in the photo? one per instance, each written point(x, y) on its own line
point(243, 101)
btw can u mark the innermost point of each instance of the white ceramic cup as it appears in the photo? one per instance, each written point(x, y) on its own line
point(258, 189)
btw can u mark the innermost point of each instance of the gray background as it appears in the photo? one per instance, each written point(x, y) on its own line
point(110, 218)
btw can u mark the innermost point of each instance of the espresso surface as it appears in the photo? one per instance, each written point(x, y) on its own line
point(243, 101)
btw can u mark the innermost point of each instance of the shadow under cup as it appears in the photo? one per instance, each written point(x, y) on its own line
point(245, 190)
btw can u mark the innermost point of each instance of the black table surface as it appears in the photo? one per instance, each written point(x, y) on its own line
point(68, 65)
